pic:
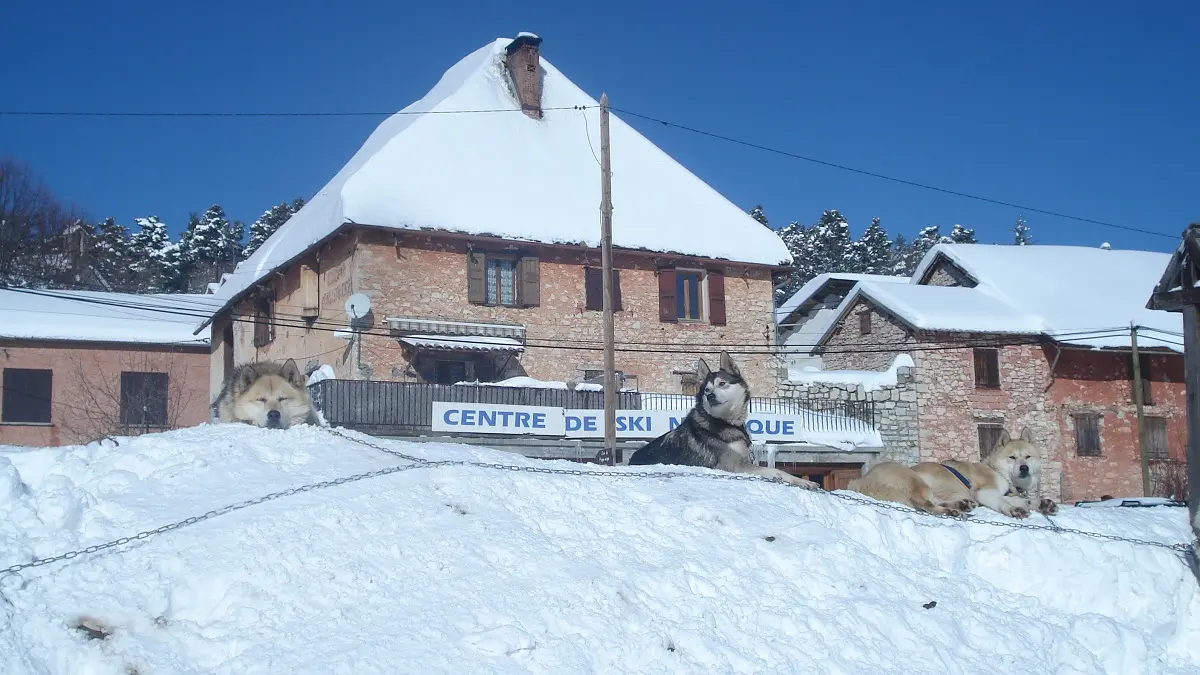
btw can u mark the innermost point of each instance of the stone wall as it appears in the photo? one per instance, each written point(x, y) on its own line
point(888, 338)
point(895, 408)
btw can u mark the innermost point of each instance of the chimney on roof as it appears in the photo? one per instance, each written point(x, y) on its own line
point(524, 67)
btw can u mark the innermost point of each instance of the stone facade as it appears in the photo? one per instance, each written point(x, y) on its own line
point(424, 275)
point(895, 409)
point(85, 394)
point(951, 409)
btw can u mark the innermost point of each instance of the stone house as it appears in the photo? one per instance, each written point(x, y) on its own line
point(803, 318)
point(79, 366)
point(475, 237)
point(1008, 337)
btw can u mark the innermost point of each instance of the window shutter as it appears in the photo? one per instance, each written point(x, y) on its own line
point(531, 282)
point(616, 290)
point(593, 289)
point(666, 296)
point(476, 268)
point(308, 291)
point(716, 298)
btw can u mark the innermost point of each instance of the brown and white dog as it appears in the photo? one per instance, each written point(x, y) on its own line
point(1006, 482)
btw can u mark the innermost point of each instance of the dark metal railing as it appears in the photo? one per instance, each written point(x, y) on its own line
point(405, 408)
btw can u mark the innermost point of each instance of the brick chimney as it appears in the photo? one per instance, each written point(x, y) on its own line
point(524, 67)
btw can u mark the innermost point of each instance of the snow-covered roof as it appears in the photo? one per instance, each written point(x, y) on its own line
point(946, 308)
point(1071, 289)
point(504, 174)
point(812, 286)
point(89, 316)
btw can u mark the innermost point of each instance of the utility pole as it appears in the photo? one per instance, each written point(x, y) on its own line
point(1137, 402)
point(610, 375)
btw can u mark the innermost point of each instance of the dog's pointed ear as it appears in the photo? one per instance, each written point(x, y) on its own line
point(728, 365)
point(1027, 435)
point(702, 369)
point(291, 373)
point(247, 375)
point(1003, 440)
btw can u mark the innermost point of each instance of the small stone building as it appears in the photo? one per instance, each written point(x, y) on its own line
point(79, 366)
point(1008, 337)
point(475, 237)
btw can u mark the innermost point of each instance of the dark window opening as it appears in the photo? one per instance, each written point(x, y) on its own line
point(987, 369)
point(1087, 434)
point(864, 323)
point(27, 395)
point(688, 303)
point(989, 436)
point(1156, 438)
point(144, 400)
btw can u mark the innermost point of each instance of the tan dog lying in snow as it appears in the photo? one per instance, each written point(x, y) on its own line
point(1007, 482)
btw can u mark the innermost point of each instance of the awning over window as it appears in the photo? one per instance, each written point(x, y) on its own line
point(468, 343)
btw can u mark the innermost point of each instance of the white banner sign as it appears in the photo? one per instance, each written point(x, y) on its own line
point(487, 418)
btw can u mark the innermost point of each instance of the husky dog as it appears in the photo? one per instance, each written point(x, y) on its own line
point(266, 394)
point(713, 435)
point(1007, 482)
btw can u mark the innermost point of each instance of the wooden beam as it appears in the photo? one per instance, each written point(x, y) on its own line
point(1191, 340)
point(610, 375)
point(1175, 300)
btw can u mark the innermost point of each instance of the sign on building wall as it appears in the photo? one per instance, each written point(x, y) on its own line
point(487, 418)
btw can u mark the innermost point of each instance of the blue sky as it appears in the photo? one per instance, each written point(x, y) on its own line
point(1086, 108)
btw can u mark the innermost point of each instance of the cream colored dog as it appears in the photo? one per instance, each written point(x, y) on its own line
point(1007, 482)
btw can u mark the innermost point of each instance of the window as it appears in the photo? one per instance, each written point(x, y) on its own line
point(264, 321)
point(1087, 434)
point(503, 280)
point(682, 294)
point(1144, 368)
point(989, 436)
point(987, 369)
point(26, 396)
point(449, 372)
point(144, 400)
point(689, 383)
point(592, 374)
point(864, 323)
point(593, 282)
point(1156, 438)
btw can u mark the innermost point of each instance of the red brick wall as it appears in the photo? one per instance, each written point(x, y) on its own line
point(426, 277)
point(86, 385)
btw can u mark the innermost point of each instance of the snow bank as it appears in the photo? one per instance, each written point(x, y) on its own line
point(325, 372)
point(870, 380)
point(466, 570)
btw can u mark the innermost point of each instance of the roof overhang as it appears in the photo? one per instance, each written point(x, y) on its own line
point(456, 328)
point(464, 343)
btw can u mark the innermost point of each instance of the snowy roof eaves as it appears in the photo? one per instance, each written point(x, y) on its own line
point(476, 174)
point(96, 316)
point(817, 283)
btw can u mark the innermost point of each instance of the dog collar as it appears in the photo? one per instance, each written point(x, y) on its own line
point(958, 475)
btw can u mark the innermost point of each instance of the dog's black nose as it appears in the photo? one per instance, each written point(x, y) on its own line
point(1024, 468)
point(273, 419)
point(712, 397)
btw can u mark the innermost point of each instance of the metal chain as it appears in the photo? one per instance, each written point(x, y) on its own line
point(888, 506)
point(142, 536)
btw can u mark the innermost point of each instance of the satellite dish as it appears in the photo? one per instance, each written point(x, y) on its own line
point(357, 306)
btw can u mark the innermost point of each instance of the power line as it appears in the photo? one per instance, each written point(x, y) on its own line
point(893, 179)
point(648, 118)
point(343, 113)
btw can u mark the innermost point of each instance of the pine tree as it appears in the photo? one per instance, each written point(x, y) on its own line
point(112, 257)
point(209, 247)
point(901, 252)
point(829, 241)
point(962, 235)
point(757, 214)
point(1021, 233)
point(872, 253)
point(796, 237)
point(908, 259)
point(149, 267)
point(268, 222)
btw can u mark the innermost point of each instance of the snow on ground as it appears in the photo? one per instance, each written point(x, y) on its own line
point(467, 570)
point(870, 380)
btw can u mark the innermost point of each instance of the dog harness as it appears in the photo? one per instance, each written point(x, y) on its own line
point(958, 475)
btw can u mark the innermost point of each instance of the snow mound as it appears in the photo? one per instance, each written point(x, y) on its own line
point(457, 569)
point(870, 380)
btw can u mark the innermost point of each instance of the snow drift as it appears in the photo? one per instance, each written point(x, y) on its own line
point(457, 569)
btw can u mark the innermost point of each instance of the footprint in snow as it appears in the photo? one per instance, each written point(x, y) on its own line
point(504, 640)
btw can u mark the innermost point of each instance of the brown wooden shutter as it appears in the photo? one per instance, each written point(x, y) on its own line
point(476, 269)
point(593, 283)
point(666, 296)
point(531, 282)
point(616, 290)
point(716, 298)
point(308, 291)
